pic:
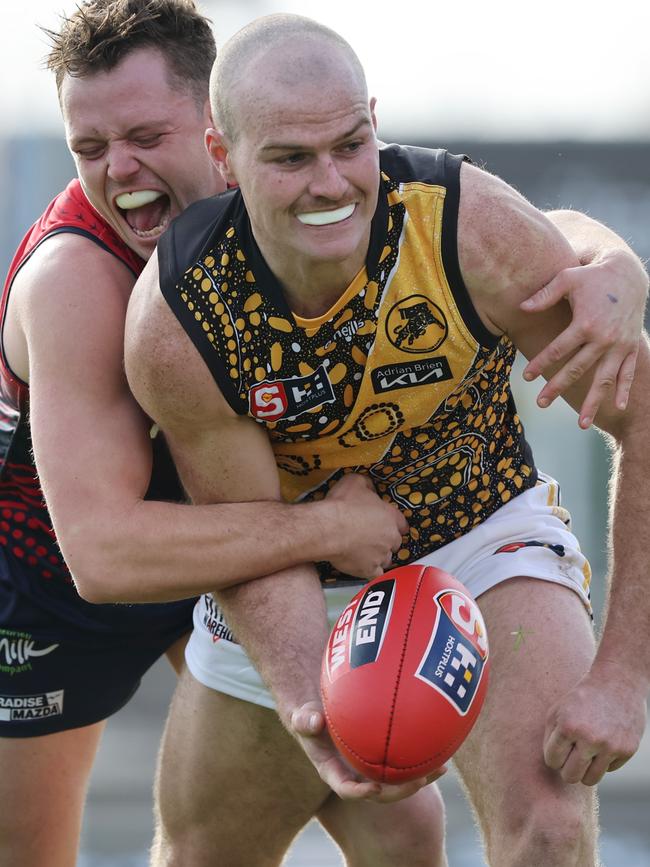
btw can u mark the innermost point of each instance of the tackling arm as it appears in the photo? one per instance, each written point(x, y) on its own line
point(607, 297)
point(94, 458)
point(601, 721)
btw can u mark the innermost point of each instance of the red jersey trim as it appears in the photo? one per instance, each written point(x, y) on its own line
point(70, 211)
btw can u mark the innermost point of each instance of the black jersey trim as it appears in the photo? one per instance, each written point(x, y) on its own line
point(436, 166)
point(525, 446)
point(188, 235)
point(378, 229)
point(75, 230)
point(450, 254)
point(265, 279)
point(188, 239)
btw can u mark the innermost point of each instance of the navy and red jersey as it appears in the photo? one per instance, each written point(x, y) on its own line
point(26, 535)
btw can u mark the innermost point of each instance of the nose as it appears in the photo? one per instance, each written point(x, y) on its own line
point(327, 182)
point(122, 163)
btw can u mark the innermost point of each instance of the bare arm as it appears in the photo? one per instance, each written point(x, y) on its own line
point(607, 296)
point(598, 726)
point(65, 331)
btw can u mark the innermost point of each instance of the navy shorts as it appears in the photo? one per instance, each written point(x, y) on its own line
point(65, 663)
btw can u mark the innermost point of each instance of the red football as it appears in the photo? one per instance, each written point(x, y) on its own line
point(405, 673)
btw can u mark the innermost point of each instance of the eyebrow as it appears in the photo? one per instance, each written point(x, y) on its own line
point(133, 132)
point(275, 146)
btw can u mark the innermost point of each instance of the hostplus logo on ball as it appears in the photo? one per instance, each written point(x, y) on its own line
point(457, 651)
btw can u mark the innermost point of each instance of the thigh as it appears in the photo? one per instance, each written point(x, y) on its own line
point(42, 790)
point(409, 833)
point(231, 780)
point(541, 644)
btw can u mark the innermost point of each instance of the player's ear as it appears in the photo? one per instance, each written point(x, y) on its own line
point(218, 148)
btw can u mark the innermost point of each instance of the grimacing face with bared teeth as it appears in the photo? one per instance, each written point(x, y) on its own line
point(305, 157)
point(137, 139)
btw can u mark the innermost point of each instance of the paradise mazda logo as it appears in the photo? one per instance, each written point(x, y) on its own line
point(28, 707)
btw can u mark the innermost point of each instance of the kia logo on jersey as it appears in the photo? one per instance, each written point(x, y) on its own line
point(410, 374)
point(271, 400)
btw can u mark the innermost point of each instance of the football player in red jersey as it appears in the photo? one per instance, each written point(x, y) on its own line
point(133, 78)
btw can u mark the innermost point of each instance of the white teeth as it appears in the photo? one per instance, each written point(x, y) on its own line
point(326, 218)
point(128, 201)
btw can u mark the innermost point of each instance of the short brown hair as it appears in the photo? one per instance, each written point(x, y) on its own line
point(100, 33)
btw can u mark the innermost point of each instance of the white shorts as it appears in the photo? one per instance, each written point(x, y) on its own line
point(529, 536)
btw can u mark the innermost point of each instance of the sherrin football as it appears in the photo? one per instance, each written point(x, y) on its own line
point(404, 673)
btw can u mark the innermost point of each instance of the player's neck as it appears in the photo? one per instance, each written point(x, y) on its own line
point(311, 286)
point(310, 297)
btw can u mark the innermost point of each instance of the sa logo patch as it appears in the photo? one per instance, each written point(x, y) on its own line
point(455, 657)
point(274, 399)
point(416, 325)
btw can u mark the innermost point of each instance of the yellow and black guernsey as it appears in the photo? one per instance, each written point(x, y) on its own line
point(400, 379)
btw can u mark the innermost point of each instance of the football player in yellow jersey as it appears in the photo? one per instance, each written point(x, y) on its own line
point(361, 305)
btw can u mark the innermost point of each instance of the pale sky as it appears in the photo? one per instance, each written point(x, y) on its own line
point(497, 69)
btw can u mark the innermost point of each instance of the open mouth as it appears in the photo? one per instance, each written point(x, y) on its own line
point(327, 218)
point(146, 211)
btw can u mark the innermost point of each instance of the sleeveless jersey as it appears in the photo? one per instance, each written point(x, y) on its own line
point(27, 538)
point(399, 379)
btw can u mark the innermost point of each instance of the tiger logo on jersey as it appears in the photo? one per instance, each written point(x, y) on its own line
point(416, 325)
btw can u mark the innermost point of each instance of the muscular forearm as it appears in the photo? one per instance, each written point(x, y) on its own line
point(623, 647)
point(593, 242)
point(281, 620)
point(164, 551)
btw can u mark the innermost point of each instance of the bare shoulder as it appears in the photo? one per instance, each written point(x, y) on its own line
point(70, 293)
point(507, 248)
point(166, 373)
point(74, 266)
